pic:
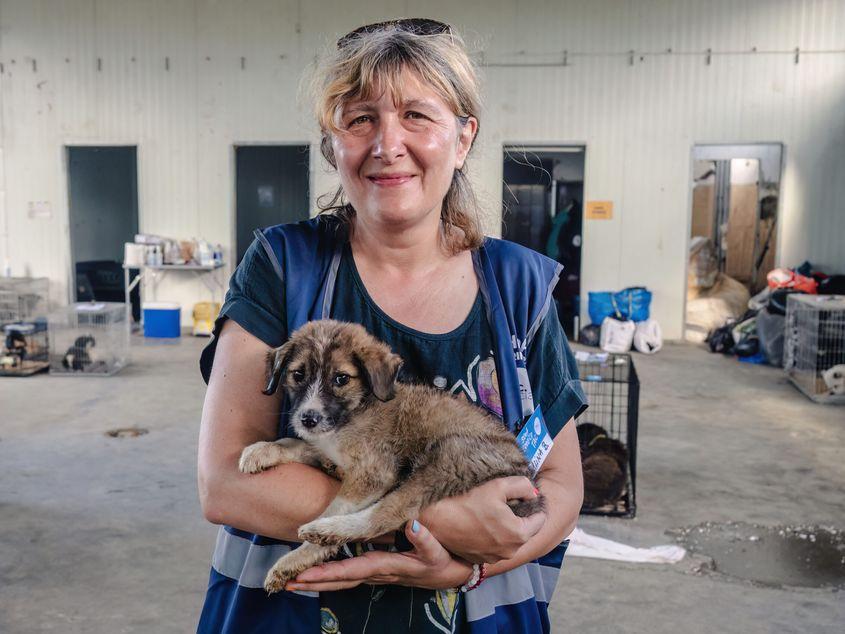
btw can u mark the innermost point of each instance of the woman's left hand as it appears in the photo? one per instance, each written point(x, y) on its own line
point(429, 565)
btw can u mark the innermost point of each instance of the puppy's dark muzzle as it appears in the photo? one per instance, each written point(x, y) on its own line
point(310, 419)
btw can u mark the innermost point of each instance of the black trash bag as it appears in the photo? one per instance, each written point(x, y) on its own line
point(770, 331)
point(777, 300)
point(721, 339)
point(590, 335)
point(833, 285)
point(747, 346)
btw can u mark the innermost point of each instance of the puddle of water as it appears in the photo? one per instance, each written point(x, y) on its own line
point(808, 556)
point(126, 432)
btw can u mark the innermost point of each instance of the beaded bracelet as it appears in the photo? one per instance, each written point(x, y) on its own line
point(479, 574)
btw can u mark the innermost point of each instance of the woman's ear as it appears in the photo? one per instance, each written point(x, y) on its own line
point(465, 140)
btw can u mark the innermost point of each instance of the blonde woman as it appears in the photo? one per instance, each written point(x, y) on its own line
point(400, 251)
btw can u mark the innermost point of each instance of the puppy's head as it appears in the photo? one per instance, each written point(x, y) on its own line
point(329, 370)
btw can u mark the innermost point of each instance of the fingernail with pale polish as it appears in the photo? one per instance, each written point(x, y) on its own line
point(415, 527)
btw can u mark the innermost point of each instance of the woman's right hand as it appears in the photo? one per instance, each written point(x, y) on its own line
point(479, 526)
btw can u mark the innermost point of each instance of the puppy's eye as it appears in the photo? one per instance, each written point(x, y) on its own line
point(341, 379)
point(298, 376)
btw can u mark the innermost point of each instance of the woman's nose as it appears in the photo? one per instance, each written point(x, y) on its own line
point(389, 142)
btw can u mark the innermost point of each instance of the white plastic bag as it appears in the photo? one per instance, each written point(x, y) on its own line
point(648, 337)
point(616, 336)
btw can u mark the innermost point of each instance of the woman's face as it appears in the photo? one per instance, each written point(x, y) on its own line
point(396, 161)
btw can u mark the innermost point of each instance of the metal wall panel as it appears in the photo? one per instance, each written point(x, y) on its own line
point(186, 80)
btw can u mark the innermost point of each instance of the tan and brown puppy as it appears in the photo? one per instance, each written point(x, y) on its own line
point(397, 448)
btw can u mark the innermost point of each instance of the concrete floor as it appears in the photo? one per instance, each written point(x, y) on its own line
point(105, 535)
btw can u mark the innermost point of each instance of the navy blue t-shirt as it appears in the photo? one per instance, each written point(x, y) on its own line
point(460, 361)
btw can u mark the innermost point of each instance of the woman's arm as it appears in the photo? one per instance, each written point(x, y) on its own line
point(236, 414)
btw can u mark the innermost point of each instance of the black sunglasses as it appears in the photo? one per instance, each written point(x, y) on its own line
point(417, 26)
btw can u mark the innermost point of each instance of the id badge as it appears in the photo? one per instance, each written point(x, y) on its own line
point(535, 441)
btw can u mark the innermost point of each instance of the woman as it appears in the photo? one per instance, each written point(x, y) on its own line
point(401, 253)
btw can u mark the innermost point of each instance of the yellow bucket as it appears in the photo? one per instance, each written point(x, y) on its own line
point(204, 315)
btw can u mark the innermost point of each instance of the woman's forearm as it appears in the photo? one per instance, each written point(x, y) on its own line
point(274, 503)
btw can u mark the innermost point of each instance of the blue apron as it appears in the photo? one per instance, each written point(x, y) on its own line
point(516, 285)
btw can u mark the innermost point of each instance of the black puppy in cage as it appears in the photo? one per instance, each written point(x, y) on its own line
point(78, 356)
point(605, 464)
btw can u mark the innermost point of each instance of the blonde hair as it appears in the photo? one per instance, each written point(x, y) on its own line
point(375, 60)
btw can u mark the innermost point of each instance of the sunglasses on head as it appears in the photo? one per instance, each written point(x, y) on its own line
point(417, 26)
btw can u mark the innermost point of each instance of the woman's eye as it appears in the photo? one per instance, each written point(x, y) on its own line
point(341, 379)
point(298, 376)
point(415, 115)
point(360, 120)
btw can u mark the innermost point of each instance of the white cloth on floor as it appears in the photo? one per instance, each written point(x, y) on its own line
point(582, 544)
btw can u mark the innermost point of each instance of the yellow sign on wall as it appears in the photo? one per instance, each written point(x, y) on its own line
point(599, 209)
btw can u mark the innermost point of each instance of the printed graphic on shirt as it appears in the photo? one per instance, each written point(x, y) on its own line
point(481, 384)
point(488, 386)
point(328, 622)
point(442, 616)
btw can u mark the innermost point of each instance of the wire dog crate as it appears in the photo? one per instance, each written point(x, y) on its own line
point(23, 325)
point(90, 339)
point(814, 346)
point(609, 441)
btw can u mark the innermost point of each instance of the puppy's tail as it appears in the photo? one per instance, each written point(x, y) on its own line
point(524, 508)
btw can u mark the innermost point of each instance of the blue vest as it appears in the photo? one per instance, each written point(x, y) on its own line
point(516, 285)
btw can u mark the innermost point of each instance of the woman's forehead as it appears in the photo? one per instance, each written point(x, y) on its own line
point(403, 89)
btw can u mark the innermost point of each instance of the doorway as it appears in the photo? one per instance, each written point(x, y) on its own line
point(542, 208)
point(271, 188)
point(734, 219)
point(103, 215)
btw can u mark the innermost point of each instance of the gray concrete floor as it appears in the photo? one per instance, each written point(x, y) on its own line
point(105, 535)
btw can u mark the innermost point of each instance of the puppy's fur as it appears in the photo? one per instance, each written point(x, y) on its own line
point(397, 448)
point(604, 461)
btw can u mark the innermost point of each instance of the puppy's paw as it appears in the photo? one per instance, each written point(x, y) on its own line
point(277, 578)
point(324, 532)
point(258, 457)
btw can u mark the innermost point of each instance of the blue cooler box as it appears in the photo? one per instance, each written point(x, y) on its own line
point(162, 319)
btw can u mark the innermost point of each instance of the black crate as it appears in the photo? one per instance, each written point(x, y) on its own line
point(613, 392)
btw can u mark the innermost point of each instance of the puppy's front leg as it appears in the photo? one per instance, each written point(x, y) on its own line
point(289, 566)
point(348, 500)
point(261, 456)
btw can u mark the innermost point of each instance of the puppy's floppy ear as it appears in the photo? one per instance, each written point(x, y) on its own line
point(277, 360)
point(380, 367)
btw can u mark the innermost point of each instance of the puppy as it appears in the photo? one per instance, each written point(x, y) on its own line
point(834, 379)
point(397, 448)
point(604, 461)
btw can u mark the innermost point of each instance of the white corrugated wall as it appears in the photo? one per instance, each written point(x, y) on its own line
point(185, 80)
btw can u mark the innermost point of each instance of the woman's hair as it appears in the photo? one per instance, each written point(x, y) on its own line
point(367, 60)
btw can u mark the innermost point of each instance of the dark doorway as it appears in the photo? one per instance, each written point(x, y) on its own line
point(542, 200)
point(103, 207)
point(272, 188)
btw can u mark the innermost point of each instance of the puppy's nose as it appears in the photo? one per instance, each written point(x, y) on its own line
point(310, 418)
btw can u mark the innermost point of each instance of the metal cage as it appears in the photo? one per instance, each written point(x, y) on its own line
point(814, 346)
point(613, 391)
point(89, 339)
point(24, 347)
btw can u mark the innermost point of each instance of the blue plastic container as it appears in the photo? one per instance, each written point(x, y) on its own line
point(162, 319)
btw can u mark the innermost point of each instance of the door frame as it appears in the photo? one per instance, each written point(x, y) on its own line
point(64, 184)
point(233, 188)
point(702, 151)
point(561, 147)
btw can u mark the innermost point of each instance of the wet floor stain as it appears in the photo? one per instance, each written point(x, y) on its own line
point(127, 432)
point(775, 556)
